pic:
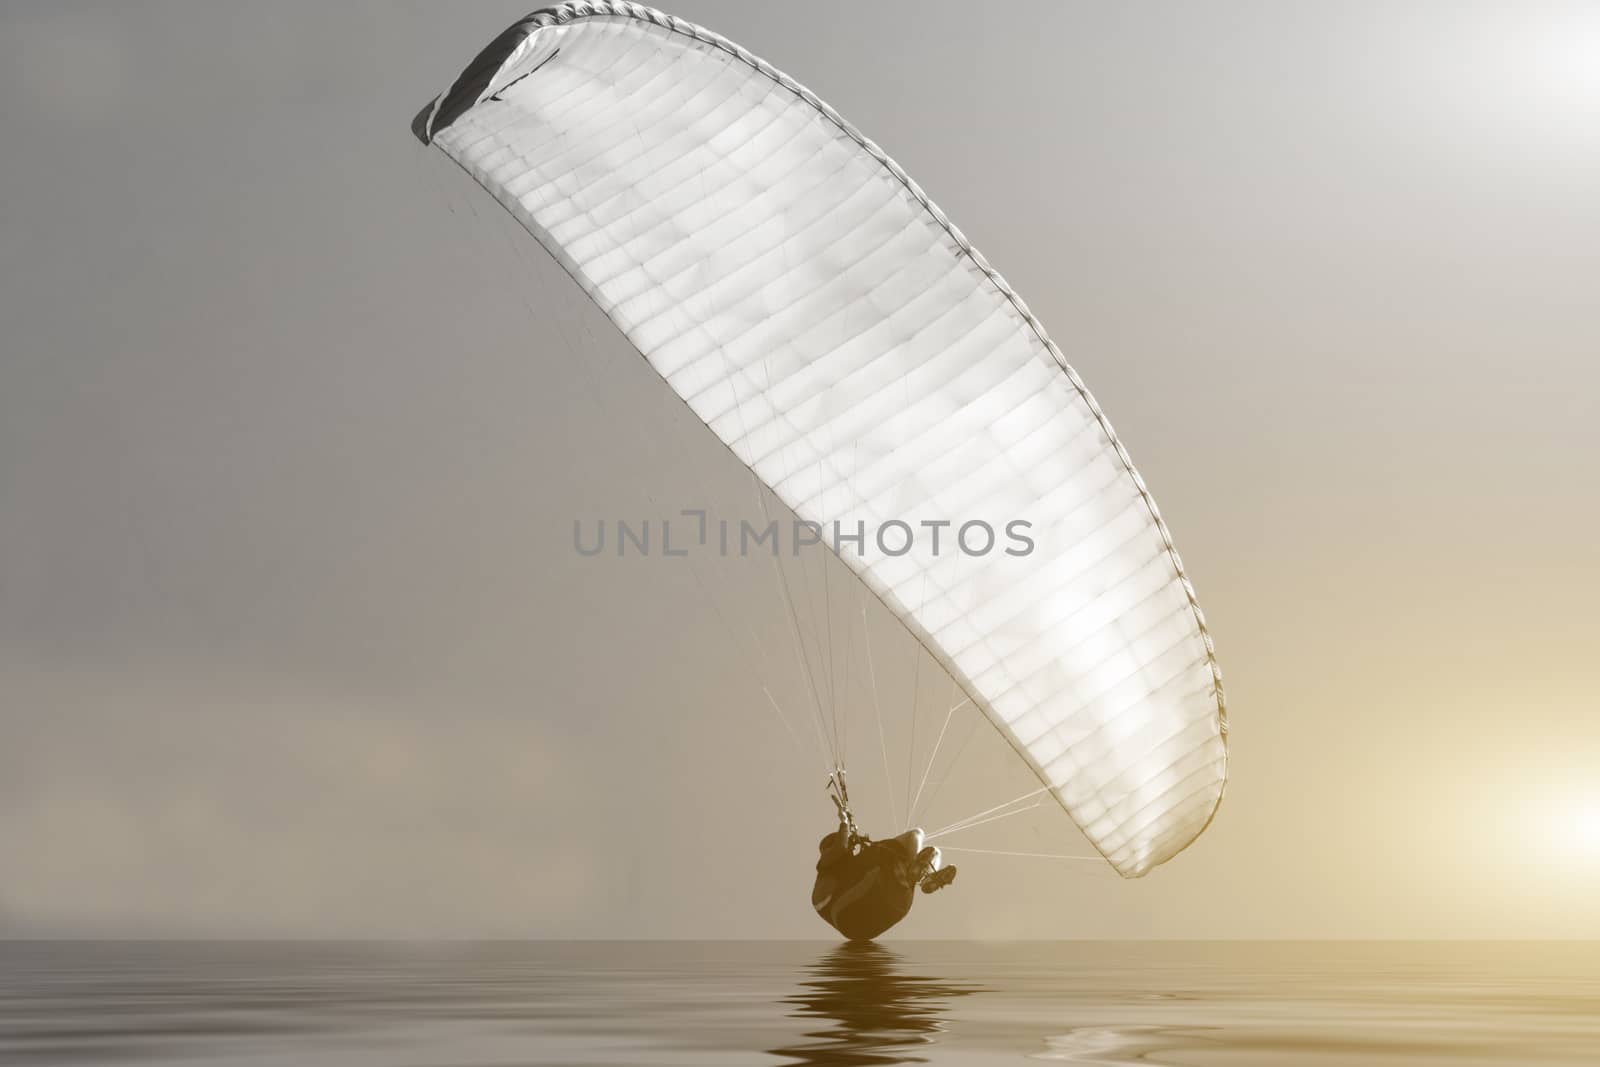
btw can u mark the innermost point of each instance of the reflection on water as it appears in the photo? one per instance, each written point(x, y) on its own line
point(707, 1004)
point(879, 1015)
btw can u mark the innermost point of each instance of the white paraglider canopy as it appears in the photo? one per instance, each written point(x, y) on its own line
point(838, 333)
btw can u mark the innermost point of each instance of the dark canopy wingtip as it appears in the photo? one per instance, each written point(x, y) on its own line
point(469, 85)
point(419, 124)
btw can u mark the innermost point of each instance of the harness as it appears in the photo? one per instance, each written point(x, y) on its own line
point(839, 793)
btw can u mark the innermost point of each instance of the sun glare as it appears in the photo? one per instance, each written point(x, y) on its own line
point(1586, 829)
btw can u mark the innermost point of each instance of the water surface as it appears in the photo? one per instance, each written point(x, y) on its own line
point(708, 1003)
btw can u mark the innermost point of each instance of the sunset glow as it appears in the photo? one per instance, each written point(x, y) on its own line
point(1584, 830)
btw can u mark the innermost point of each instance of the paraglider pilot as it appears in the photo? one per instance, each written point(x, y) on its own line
point(863, 886)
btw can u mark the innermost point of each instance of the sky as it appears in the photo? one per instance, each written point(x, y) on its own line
point(293, 432)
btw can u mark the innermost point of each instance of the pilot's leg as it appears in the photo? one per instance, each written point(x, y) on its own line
point(933, 875)
point(909, 842)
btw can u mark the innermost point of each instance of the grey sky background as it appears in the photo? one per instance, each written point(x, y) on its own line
point(293, 429)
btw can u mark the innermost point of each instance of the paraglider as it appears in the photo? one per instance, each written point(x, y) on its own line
point(863, 886)
point(819, 314)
